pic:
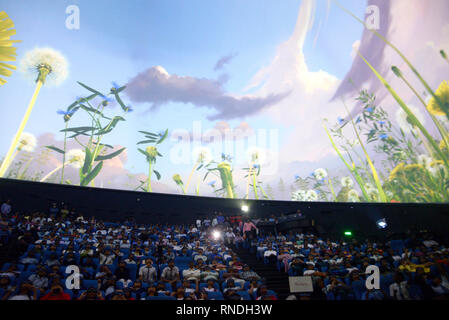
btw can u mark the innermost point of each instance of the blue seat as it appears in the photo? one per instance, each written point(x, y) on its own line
point(358, 287)
point(244, 294)
point(215, 296)
point(132, 268)
point(161, 298)
point(90, 283)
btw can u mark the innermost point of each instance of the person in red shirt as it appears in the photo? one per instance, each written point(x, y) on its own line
point(56, 293)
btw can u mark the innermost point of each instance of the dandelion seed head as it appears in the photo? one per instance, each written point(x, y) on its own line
point(320, 173)
point(347, 182)
point(353, 196)
point(256, 155)
point(50, 59)
point(202, 155)
point(27, 142)
point(75, 158)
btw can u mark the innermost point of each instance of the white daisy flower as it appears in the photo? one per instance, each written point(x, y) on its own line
point(320, 174)
point(46, 64)
point(403, 121)
point(311, 195)
point(202, 155)
point(347, 182)
point(425, 160)
point(27, 142)
point(75, 158)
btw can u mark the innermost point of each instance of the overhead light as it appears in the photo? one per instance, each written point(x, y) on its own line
point(216, 234)
point(382, 223)
point(245, 208)
point(348, 233)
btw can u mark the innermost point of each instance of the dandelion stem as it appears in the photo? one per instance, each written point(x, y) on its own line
point(249, 179)
point(52, 172)
point(191, 174)
point(329, 184)
point(63, 155)
point(255, 185)
point(8, 159)
point(150, 172)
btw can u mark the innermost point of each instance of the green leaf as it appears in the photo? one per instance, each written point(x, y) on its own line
point(143, 151)
point(108, 128)
point(87, 161)
point(160, 155)
point(55, 149)
point(120, 89)
point(163, 137)
point(78, 129)
point(146, 141)
point(92, 174)
point(119, 100)
point(90, 109)
point(158, 175)
point(149, 133)
point(90, 89)
point(109, 156)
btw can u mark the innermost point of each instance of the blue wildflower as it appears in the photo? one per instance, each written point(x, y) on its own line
point(340, 120)
point(383, 136)
point(370, 109)
point(358, 120)
point(212, 183)
point(297, 177)
point(381, 122)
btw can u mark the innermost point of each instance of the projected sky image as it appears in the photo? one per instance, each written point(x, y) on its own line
point(302, 100)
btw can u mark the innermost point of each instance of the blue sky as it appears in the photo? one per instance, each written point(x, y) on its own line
point(119, 39)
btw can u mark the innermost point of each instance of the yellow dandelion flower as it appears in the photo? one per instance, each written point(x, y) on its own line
point(442, 93)
point(7, 51)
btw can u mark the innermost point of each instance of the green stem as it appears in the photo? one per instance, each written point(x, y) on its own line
point(9, 155)
point(255, 186)
point(329, 184)
point(150, 172)
point(383, 197)
point(352, 170)
point(63, 156)
point(441, 129)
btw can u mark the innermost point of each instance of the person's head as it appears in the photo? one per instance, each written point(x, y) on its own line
point(91, 293)
point(263, 290)
point(56, 288)
point(230, 283)
point(210, 283)
point(192, 265)
point(148, 262)
point(246, 268)
point(171, 264)
point(119, 295)
point(122, 265)
point(41, 272)
point(152, 290)
point(5, 281)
